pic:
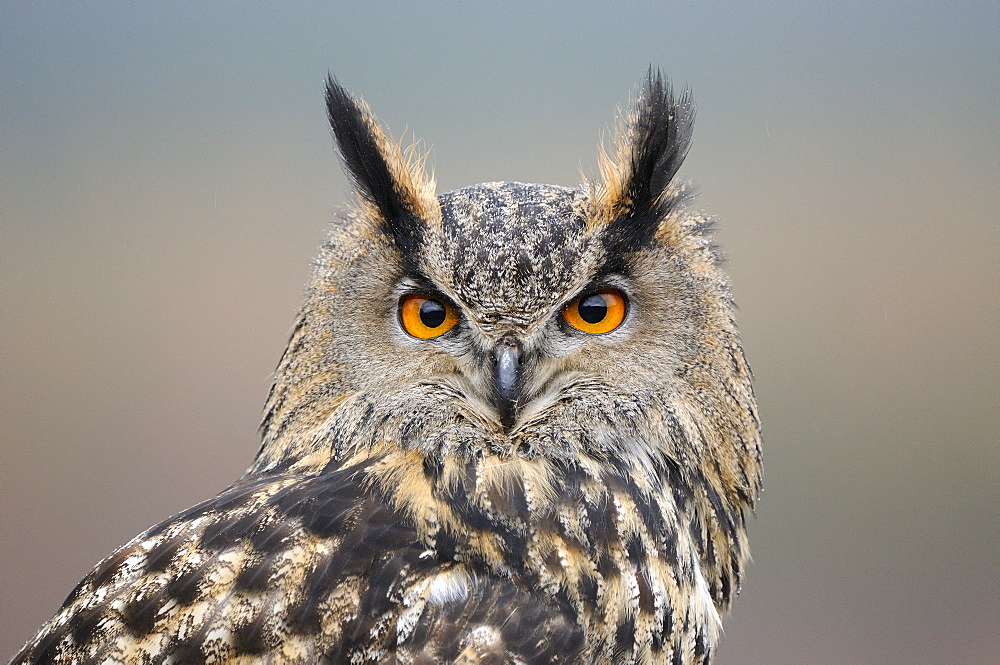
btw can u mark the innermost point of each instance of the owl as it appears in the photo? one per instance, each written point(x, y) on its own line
point(513, 424)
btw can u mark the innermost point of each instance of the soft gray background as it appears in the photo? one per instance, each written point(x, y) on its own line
point(167, 174)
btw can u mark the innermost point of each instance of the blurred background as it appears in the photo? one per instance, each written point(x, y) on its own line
point(167, 174)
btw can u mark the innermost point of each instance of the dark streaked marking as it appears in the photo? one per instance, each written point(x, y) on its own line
point(254, 577)
point(510, 500)
point(625, 636)
point(602, 521)
point(647, 603)
point(139, 615)
point(433, 467)
point(188, 652)
point(636, 550)
point(271, 535)
point(725, 589)
point(701, 649)
point(670, 471)
point(104, 573)
point(184, 587)
point(162, 554)
point(607, 567)
point(83, 625)
point(667, 624)
point(727, 520)
point(457, 496)
point(385, 578)
point(249, 639)
point(445, 544)
point(327, 504)
point(708, 551)
point(47, 648)
point(587, 588)
point(223, 533)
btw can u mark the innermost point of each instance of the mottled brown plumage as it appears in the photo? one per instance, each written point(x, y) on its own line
point(513, 488)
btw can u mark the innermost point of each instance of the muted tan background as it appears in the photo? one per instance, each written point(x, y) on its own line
point(167, 174)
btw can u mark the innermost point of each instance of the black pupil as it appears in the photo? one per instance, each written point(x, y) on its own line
point(593, 308)
point(432, 313)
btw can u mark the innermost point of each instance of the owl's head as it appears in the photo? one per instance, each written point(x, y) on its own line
point(520, 321)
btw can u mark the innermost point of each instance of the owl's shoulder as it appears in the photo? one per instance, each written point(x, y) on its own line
point(316, 567)
point(270, 556)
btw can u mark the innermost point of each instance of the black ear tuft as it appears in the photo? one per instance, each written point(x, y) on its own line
point(377, 168)
point(661, 135)
point(649, 153)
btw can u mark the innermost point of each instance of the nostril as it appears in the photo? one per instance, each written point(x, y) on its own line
point(507, 343)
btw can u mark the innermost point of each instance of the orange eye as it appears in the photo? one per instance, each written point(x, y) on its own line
point(597, 313)
point(426, 318)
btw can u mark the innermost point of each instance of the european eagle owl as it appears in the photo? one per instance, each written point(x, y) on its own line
point(513, 424)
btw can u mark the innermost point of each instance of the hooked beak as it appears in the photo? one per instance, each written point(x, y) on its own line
point(507, 380)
